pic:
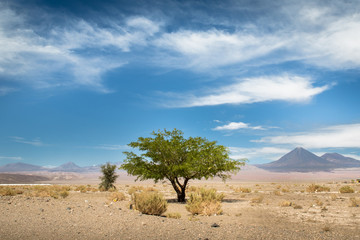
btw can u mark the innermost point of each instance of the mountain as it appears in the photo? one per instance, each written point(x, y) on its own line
point(21, 167)
point(298, 160)
point(68, 167)
point(340, 161)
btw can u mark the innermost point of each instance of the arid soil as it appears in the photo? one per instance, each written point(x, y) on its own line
point(269, 211)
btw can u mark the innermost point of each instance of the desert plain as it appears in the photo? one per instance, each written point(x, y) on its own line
point(275, 209)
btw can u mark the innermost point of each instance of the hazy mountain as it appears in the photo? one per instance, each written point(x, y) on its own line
point(298, 160)
point(68, 167)
point(340, 161)
point(21, 167)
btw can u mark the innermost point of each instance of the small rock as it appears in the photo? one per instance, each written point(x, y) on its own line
point(41, 209)
point(68, 208)
point(215, 225)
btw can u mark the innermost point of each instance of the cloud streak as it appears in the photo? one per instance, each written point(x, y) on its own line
point(252, 90)
point(236, 126)
point(338, 136)
point(35, 142)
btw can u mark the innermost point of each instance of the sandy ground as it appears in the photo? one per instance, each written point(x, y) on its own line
point(91, 215)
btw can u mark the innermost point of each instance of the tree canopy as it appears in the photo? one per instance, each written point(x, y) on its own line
point(169, 156)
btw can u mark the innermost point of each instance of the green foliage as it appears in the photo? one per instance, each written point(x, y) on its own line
point(151, 203)
point(168, 155)
point(205, 202)
point(109, 177)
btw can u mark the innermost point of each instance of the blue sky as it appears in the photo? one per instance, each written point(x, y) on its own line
point(79, 80)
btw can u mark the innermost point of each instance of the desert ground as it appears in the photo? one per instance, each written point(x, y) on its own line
point(250, 210)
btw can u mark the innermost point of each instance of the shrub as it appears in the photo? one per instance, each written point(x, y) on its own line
point(81, 188)
point(205, 202)
point(346, 189)
point(117, 196)
point(151, 203)
point(109, 177)
point(297, 206)
point(286, 204)
point(317, 188)
point(135, 189)
point(257, 199)
point(7, 191)
point(277, 193)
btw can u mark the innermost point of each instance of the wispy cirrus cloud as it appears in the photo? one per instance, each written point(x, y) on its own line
point(34, 142)
point(75, 53)
point(288, 88)
point(11, 158)
point(337, 136)
point(112, 147)
point(237, 125)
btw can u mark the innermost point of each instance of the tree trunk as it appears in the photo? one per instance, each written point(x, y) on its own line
point(181, 196)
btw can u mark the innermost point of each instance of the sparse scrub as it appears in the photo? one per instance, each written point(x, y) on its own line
point(81, 188)
point(117, 196)
point(296, 206)
point(53, 191)
point(277, 193)
point(205, 201)
point(173, 215)
point(354, 202)
point(346, 189)
point(286, 204)
point(135, 189)
point(285, 190)
point(318, 202)
point(7, 191)
point(151, 203)
point(258, 199)
point(243, 190)
point(317, 188)
point(333, 197)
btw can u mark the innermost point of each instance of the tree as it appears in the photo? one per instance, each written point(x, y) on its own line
point(168, 155)
point(109, 177)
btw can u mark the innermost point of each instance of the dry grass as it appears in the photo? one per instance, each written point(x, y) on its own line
point(175, 215)
point(354, 202)
point(346, 189)
point(286, 204)
point(242, 190)
point(9, 191)
point(258, 199)
point(135, 189)
point(205, 201)
point(317, 188)
point(117, 196)
point(151, 203)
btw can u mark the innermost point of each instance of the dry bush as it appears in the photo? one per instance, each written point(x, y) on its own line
point(151, 189)
point(286, 204)
point(354, 202)
point(317, 188)
point(333, 197)
point(277, 193)
point(151, 203)
point(319, 202)
point(54, 191)
point(258, 199)
point(285, 190)
point(81, 188)
point(346, 189)
point(173, 215)
point(135, 189)
point(117, 196)
point(296, 206)
point(10, 191)
point(243, 190)
point(205, 201)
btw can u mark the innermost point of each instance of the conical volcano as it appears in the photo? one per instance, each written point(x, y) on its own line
point(298, 160)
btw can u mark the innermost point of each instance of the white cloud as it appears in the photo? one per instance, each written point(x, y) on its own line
point(11, 158)
point(236, 126)
point(6, 90)
point(251, 90)
point(112, 147)
point(255, 154)
point(215, 48)
point(35, 142)
point(346, 136)
point(74, 55)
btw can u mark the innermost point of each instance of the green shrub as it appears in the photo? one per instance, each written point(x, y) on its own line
point(109, 177)
point(346, 189)
point(205, 202)
point(151, 203)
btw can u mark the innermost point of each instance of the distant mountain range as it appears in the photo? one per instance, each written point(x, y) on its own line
point(67, 167)
point(301, 160)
